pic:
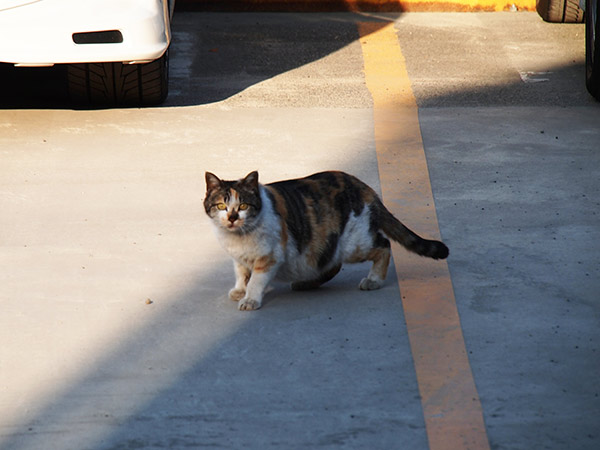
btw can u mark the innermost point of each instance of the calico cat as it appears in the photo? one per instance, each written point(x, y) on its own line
point(303, 230)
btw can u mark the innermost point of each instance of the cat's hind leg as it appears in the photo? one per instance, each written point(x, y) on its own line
point(242, 276)
point(314, 284)
point(381, 260)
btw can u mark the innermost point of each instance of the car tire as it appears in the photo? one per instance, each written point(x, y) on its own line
point(118, 84)
point(592, 49)
point(559, 11)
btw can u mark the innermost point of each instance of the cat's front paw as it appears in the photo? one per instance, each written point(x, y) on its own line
point(248, 304)
point(237, 294)
point(369, 285)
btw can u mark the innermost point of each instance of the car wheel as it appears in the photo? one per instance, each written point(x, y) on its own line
point(592, 49)
point(118, 84)
point(560, 11)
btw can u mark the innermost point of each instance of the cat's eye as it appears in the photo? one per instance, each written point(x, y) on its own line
point(243, 206)
point(221, 206)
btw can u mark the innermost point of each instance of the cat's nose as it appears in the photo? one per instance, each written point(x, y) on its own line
point(233, 217)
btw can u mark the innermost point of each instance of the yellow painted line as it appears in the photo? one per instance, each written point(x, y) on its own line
point(451, 405)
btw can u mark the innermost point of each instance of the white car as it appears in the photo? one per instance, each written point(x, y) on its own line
point(116, 50)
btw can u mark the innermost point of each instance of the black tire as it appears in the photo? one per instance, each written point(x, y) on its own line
point(592, 49)
point(559, 11)
point(118, 84)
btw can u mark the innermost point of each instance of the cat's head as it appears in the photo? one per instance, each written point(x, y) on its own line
point(233, 205)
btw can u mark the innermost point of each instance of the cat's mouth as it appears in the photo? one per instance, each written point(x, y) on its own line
point(233, 226)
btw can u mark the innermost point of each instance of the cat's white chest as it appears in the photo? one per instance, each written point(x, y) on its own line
point(246, 249)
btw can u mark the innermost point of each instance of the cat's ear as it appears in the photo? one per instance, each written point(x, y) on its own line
point(212, 181)
point(251, 180)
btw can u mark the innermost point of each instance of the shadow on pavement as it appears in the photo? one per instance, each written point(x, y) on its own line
point(35, 88)
point(211, 58)
point(321, 368)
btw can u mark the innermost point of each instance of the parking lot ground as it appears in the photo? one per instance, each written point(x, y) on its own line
point(116, 329)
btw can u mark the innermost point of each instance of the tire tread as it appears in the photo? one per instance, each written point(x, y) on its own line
point(560, 11)
point(118, 84)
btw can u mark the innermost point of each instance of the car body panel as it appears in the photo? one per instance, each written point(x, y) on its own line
point(40, 33)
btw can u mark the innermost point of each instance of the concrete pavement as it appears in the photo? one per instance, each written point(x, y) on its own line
point(116, 329)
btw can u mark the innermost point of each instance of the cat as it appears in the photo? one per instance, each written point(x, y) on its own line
point(303, 230)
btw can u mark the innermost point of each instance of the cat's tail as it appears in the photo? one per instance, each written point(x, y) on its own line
point(396, 230)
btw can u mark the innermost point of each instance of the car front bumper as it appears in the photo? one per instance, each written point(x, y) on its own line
point(40, 33)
